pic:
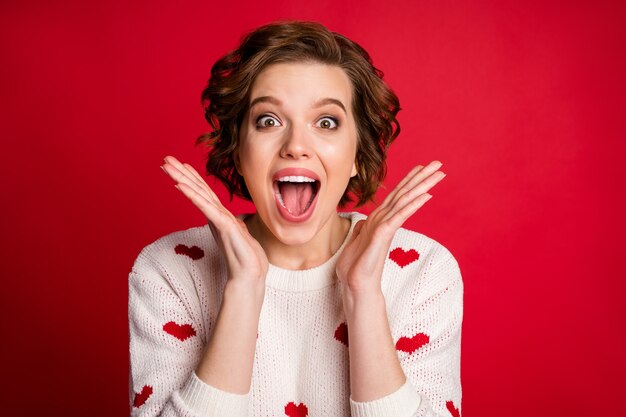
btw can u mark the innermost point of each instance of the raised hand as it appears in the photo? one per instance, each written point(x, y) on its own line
point(360, 265)
point(228, 357)
point(246, 260)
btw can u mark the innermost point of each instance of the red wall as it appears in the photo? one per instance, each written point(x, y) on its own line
point(524, 102)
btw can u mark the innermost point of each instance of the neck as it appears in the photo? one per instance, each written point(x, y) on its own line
point(304, 256)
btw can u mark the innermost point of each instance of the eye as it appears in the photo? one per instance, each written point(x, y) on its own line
point(267, 121)
point(328, 122)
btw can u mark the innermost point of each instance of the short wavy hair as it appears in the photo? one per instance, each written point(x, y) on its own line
point(227, 95)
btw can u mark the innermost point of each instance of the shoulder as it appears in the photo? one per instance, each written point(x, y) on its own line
point(427, 249)
point(417, 263)
point(422, 266)
point(409, 247)
point(420, 275)
point(174, 255)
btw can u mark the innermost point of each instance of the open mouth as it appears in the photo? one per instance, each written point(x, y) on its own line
point(296, 194)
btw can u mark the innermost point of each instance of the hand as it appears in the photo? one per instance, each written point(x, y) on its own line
point(246, 259)
point(360, 266)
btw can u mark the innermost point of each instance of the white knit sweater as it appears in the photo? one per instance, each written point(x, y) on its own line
point(301, 365)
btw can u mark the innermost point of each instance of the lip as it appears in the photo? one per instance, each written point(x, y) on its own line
point(303, 172)
point(286, 172)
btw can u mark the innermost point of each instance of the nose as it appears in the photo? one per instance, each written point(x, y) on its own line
point(297, 144)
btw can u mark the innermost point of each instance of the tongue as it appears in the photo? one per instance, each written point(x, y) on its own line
point(296, 196)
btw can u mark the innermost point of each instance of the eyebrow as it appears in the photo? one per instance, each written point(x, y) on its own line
point(318, 103)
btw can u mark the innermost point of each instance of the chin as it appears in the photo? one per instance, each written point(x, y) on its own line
point(295, 235)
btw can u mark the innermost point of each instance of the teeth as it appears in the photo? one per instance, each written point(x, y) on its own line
point(280, 199)
point(295, 178)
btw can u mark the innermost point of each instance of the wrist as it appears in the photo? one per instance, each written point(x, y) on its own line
point(360, 285)
point(244, 293)
point(362, 302)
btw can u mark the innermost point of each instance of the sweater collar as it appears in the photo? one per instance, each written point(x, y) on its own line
point(314, 278)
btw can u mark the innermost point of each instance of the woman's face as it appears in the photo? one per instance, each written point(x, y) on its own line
point(297, 147)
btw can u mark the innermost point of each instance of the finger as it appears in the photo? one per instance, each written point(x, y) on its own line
point(428, 176)
point(409, 196)
point(177, 169)
point(213, 213)
point(418, 176)
point(182, 178)
point(357, 228)
point(219, 217)
point(201, 180)
point(193, 171)
point(401, 184)
point(397, 219)
point(202, 196)
point(410, 174)
point(184, 169)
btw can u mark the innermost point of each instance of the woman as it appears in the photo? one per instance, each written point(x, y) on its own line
point(297, 309)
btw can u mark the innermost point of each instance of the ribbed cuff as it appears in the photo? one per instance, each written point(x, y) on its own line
point(208, 401)
point(403, 402)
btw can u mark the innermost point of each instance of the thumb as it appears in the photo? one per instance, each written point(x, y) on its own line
point(357, 229)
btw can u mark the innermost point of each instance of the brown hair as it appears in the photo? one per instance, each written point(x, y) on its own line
point(226, 99)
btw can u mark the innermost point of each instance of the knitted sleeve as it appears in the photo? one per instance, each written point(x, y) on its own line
point(164, 351)
point(431, 358)
point(429, 349)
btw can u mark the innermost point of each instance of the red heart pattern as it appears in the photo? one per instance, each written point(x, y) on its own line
point(341, 333)
point(142, 397)
point(452, 409)
point(410, 345)
point(293, 410)
point(193, 252)
point(402, 257)
point(179, 331)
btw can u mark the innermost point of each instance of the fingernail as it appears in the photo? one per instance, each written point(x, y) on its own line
point(163, 169)
point(178, 188)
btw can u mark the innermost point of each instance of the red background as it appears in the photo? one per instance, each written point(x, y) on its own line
point(523, 102)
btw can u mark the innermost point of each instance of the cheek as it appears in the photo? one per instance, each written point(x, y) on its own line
point(341, 163)
point(346, 156)
point(254, 167)
point(246, 154)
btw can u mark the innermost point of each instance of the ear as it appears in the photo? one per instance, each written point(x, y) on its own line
point(354, 170)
